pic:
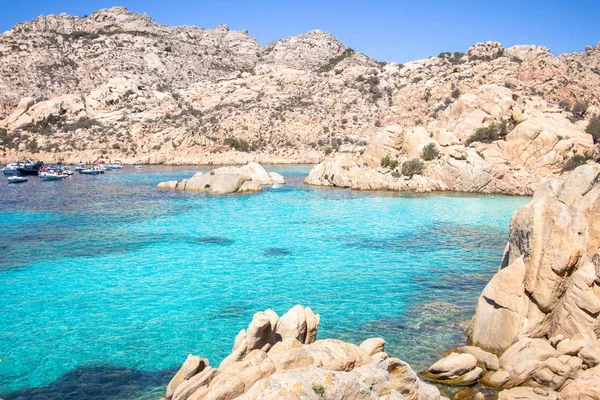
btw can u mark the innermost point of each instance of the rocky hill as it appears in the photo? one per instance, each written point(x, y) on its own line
point(116, 84)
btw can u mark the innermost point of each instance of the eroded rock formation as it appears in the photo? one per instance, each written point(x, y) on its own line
point(280, 357)
point(248, 178)
point(541, 312)
point(117, 84)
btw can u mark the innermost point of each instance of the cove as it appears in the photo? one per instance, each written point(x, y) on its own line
point(105, 277)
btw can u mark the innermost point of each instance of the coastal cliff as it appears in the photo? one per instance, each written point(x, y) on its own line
point(116, 84)
point(536, 329)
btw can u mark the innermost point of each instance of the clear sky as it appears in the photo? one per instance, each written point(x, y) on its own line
point(386, 30)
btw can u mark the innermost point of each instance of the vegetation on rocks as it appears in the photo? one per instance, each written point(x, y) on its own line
point(336, 60)
point(388, 162)
point(593, 129)
point(430, 152)
point(412, 167)
point(491, 133)
point(238, 144)
point(576, 161)
point(579, 110)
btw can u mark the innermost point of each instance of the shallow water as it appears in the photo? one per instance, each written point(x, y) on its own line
point(106, 284)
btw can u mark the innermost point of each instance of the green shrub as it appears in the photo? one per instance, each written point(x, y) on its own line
point(579, 110)
point(412, 167)
point(318, 389)
point(238, 144)
point(430, 152)
point(388, 162)
point(336, 60)
point(328, 150)
point(575, 162)
point(83, 34)
point(33, 146)
point(565, 105)
point(489, 134)
point(455, 93)
point(593, 128)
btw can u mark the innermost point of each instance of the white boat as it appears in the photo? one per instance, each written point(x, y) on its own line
point(138, 167)
point(52, 176)
point(17, 179)
point(11, 169)
point(116, 165)
point(96, 170)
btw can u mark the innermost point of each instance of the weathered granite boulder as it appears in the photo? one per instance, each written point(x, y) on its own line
point(455, 369)
point(191, 366)
point(527, 393)
point(590, 354)
point(585, 387)
point(269, 361)
point(547, 288)
point(225, 180)
point(485, 360)
point(541, 312)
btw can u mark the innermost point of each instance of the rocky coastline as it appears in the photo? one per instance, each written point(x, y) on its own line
point(117, 85)
point(534, 335)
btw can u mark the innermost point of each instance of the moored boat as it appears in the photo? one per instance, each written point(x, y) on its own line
point(96, 170)
point(17, 179)
point(116, 165)
point(52, 174)
point(30, 168)
point(13, 168)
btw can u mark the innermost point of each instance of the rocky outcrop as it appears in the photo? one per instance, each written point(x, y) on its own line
point(548, 288)
point(281, 358)
point(538, 146)
point(541, 312)
point(117, 83)
point(248, 178)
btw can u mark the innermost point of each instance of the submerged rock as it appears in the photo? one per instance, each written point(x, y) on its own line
point(248, 178)
point(278, 358)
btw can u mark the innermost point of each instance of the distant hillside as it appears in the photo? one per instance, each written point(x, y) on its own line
point(116, 84)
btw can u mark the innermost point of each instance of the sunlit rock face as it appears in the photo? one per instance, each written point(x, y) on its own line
point(118, 84)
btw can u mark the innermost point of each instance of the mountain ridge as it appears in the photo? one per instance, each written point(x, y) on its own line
point(117, 84)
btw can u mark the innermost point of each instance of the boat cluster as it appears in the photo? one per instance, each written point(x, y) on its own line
point(19, 170)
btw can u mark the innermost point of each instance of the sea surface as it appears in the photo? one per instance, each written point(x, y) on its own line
point(106, 284)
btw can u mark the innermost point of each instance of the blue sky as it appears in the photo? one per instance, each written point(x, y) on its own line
point(385, 30)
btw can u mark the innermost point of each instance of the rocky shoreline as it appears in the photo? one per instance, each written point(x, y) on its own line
point(117, 85)
point(534, 335)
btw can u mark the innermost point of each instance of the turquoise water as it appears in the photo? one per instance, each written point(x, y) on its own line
point(106, 284)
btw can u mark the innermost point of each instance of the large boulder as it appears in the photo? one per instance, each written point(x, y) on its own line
point(455, 369)
point(226, 180)
point(290, 368)
point(590, 354)
point(547, 288)
point(585, 387)
point(192, 366)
